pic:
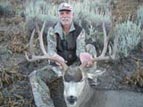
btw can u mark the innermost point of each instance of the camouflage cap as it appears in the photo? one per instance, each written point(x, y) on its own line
point(65, 6)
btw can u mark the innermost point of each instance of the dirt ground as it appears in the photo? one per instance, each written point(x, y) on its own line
point(15, 90)
point(125, 9)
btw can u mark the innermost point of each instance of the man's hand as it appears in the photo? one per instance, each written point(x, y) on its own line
point(59, 58)
point(86, 59)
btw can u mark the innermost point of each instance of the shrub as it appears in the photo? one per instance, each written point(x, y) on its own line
point(87, 13)
point(129, 36)
point(140, 16)
point(41, 10)
point(90, 15)
point(6, 9)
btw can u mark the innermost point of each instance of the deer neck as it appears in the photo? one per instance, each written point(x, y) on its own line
point(86, 95)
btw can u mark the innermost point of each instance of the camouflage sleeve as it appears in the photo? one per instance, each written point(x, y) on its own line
point(80, 43)
point(51, 42)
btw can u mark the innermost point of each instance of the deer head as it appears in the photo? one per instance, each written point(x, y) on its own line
point(76, 85)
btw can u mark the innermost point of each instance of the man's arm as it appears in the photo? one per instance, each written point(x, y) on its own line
point(51, 39)
point(84, 56)
point(80, 48)
point(51, 42)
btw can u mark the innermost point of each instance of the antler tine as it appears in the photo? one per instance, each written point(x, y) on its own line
point(34, 57)
point(40, 34)
point(106, 39)
point(29, 58)
point(115, 47)
point(31, 42)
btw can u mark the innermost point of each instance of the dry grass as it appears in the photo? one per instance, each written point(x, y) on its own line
point(9, 75)
point(17, 45)
point(125, 9)
point(136, 79)
point(13, 32)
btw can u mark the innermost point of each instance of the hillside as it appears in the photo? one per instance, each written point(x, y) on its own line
point(15, 90)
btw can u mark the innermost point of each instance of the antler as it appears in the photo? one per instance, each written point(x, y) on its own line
point(45, 55)
point(112, 55)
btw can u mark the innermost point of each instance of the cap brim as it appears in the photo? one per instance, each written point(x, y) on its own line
point(65, 10)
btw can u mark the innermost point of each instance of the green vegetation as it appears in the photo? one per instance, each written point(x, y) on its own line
point(136, 79)
point(6, 9)
point(41, 10)
point(88, 13)
point(129, 36)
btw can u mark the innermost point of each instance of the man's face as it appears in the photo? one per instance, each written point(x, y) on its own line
point(66, 17)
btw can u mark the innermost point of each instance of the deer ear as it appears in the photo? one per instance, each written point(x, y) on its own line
point(95, 74)
point(90, 75)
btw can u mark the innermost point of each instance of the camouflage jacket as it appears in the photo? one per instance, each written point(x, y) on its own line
point(52, 43)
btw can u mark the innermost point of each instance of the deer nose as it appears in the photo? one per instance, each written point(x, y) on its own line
point(71, 99)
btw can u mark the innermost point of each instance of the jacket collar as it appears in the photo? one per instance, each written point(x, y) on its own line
point(58, 29)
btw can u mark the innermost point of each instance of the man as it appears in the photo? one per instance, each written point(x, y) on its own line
point(69, 40)
point(67, 44)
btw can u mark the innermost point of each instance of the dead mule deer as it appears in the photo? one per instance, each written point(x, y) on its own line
point(77, 90)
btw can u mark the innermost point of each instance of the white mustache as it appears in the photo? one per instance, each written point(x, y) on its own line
point(65, 19)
